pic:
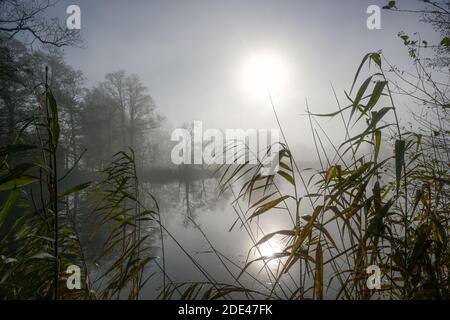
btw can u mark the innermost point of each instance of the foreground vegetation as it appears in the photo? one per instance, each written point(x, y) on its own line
point(380, 197)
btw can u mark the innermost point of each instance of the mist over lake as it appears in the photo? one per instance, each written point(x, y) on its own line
point(252, 150)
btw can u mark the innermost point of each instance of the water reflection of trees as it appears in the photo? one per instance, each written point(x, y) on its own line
point(187, 197)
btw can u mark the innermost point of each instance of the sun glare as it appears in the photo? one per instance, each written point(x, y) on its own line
point(263, 73)
point(268, 249)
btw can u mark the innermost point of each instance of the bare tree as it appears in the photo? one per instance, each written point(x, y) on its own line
point(116, 87)
point(140, 108)
point(24, 18)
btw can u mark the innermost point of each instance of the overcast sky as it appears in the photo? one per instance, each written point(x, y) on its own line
point(190, 53)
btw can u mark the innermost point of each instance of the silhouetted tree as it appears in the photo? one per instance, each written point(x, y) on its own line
point(120, 113)
point(24, 18)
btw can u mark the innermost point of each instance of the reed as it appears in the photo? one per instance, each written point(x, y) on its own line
point(380, 197)
point(366, 207)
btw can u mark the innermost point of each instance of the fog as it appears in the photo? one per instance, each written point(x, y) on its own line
point(190, 54)
point(103, 110)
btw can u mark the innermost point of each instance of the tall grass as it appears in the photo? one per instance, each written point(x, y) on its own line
point(40, 228)
point(366, 207)
point(381, 198)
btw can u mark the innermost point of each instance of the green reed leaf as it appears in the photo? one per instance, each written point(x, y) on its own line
point(399, 160)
